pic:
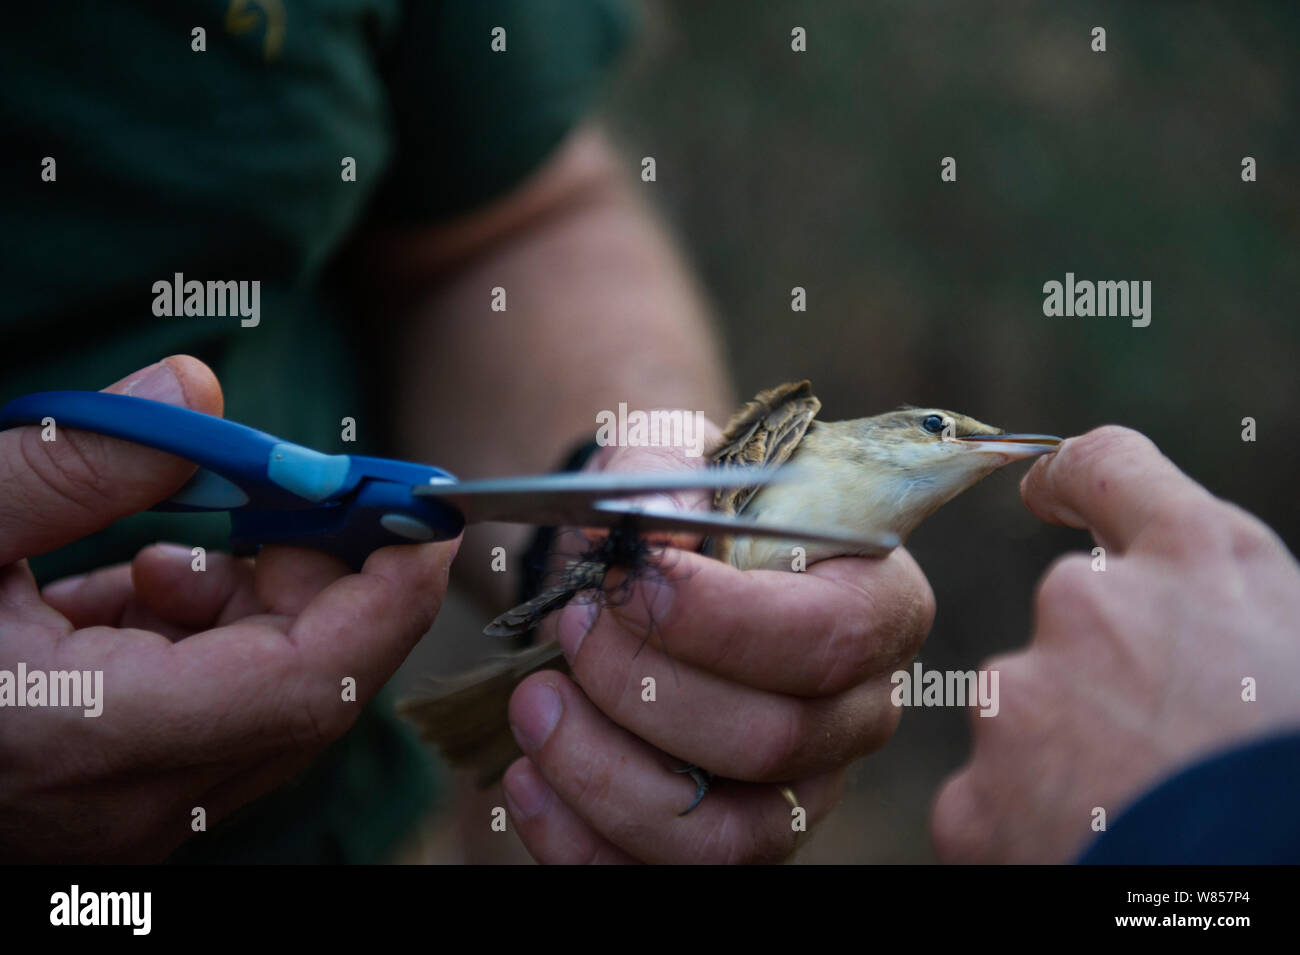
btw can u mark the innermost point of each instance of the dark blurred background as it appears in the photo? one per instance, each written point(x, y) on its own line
point(821, 169)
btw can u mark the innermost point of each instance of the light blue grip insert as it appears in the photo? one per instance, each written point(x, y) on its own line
point(208, 491)
point(310, 474)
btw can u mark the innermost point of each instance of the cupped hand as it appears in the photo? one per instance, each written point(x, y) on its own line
point(217, 684)
point(766, 678)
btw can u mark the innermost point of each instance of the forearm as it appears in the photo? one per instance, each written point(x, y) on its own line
point(600, 310)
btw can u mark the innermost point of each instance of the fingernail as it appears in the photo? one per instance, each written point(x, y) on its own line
point(64, 587)
point(175, 550)
point(534, 711)
point(662, 501)
point(575, 622)
point(157, 383)
point(526, 792)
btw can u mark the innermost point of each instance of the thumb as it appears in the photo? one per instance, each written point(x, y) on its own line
point(53, 492)
point(669, 458)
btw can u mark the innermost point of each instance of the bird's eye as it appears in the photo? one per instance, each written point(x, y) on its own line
point(932, 423)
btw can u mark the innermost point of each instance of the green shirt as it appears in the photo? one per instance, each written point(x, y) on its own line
point(228, 164)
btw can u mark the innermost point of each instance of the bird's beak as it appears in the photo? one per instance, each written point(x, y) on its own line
point(1012, 447)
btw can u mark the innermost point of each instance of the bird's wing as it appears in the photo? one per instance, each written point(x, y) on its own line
point(764, 433)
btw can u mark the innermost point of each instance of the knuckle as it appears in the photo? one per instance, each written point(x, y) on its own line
point(594, 793)
point(850, 654)
point(1013, 676)
point(923, 612)
point(592, 780)
point(593, 787)
point(881, 729)
point(1087, 451)
point(732, 642)
point(1065, 590)
point(316, 720)
point(901, 625)
point(917, 619)
point(1187, 524)
point(421, 613)
point(956, 828)
point(1032, 711)
point(74, 467)
point(772, 747)
point(587, 852)
point(1018, 678)
point(1250, 538)
point(602, 671)
point(1106, 442)
point(741, 838)
point(876, 632)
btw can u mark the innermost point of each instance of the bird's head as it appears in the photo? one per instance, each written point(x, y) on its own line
point(914, 460)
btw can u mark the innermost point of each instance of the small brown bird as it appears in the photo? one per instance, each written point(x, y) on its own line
point(877, 477)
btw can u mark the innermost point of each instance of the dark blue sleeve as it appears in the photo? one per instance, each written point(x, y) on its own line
point(1240, 807)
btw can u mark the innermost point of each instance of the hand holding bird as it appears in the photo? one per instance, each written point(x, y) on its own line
point(774, 677)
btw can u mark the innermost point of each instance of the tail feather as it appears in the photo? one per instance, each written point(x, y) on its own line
point(468, 718)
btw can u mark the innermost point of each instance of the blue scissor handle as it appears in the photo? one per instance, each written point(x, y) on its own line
point(277, 492)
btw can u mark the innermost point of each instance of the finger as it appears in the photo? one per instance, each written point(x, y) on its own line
point(108, 597)
point(727, 727)
point(159, 591)
point(961, 821)
point(625, 791)
point(815, 633)
point(1112, 481)
point(289, 578)
point(670, 459)
point(31, 622)
point(98, 598)
point(365, 624)
point(270, 681)
point(53, 492)
point(552, 832)
point(168, 583)
point(662, 457)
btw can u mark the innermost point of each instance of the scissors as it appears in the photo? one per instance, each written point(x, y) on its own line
point(278, 492)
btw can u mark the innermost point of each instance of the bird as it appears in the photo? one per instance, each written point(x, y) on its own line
point(879, 476)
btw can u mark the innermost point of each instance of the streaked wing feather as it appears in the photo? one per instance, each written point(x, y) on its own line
point(765, 432)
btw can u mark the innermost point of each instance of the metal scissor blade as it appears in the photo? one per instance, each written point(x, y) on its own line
point(711, 522)
point(570, 499)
